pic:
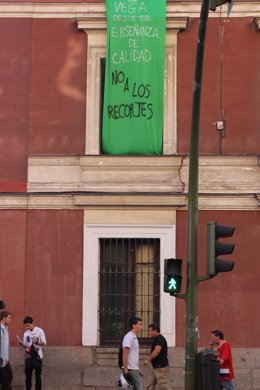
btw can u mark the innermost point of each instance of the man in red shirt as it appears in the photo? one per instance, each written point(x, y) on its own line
point(225, 359)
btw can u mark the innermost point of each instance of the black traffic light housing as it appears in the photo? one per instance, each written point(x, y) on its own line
point(216, 248)
point(172, 275)
point(216, 3)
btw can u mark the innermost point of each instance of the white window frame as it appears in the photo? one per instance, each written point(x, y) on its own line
point(92, 234)
point(96, 40)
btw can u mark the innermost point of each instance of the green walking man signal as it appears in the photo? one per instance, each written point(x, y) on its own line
point(172, 275)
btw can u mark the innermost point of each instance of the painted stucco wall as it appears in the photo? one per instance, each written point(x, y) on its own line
point(42, 111)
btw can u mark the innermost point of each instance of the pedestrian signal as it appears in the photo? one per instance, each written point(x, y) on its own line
point(172, 275)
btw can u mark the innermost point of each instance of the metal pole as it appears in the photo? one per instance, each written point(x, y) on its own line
point(192, 264)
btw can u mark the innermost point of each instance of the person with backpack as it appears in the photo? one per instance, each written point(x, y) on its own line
point(130, 354)
point(33, 339)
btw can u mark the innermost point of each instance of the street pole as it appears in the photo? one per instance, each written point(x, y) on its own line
point(192, 263)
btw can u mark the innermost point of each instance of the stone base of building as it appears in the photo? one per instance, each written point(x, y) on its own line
point(95, 368)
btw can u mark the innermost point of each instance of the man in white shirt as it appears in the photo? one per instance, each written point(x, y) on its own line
point(6, 375)
point(131, 353)
point(33, 339)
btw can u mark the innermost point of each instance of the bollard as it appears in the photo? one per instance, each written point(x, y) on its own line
point(207, 370)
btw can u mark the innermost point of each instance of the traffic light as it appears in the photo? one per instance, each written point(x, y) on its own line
point(172, 275)
point(216, 248)
point(216, 3)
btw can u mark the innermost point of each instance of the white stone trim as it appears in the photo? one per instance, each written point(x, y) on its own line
point(105, 173)
point(130, 216)
point(125, 202)
point(96, 51)
point(96, 33)
point(143, 174)
point(76, 10)
point(92, 233)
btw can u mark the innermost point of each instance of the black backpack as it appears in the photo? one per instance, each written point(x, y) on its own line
point(34, 355)
point(120, 355)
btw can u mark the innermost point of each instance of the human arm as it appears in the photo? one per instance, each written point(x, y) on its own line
point(125, 359)
point(38, 341)
point(154, 354)
point(224, 353)
point(20, 341)
point(39, 338)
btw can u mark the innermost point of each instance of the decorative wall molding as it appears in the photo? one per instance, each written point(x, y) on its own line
point(95, 29)
point(142, 174)
point(50, 10)
point(225, 182)
point(123, 202)
point(105, 174)
point(92, 233)
point(226, 174)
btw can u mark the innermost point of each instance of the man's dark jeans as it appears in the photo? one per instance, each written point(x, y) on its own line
point(31, 365)
point(6, 377)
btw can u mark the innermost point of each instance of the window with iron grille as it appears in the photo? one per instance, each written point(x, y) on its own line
point(129, 285)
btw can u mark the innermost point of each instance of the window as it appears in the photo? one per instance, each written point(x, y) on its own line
point(109, 249)
point(102, 88)
point(129, 279)
point(95, 29)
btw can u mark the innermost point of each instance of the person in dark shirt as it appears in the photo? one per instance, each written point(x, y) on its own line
point(159, 359)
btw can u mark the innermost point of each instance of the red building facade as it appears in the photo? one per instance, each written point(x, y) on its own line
point(61, 197)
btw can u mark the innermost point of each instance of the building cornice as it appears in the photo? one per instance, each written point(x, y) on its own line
point(98, 11)
point(120, 182)
point(142, 174)
point(106, 202)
